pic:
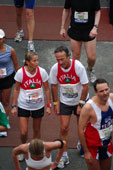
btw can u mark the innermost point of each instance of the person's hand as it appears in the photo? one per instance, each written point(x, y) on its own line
point(14, 111)
point(56, 109)
point(78, 110)
point(53, 165)
point(88, 157)
point(63, 33)
point(48, 110)
point(93, 32)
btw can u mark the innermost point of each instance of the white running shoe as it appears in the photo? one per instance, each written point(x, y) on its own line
point(78, 146)
point(30, 46)
point(21, 157)
point(19, 36)
point(63, 161)
point(91, 75)
point(3, 134)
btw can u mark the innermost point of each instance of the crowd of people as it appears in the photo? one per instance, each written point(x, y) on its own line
point(32, 96)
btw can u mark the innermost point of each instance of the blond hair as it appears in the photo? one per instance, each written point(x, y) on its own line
point(29, 55)
point(36, 147)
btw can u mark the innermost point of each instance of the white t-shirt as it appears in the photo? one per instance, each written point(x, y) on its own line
point(22, 95)
point(81, 73)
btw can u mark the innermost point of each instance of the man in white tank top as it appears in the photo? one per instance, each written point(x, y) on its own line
point(95, 127)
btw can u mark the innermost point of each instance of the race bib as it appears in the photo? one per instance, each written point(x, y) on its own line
point(105, 133)
point(34, 96)
point(3, 72)
point(69, 91)
point(81, 17)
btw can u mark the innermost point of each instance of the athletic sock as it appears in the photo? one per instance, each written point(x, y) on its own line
point(65, 154)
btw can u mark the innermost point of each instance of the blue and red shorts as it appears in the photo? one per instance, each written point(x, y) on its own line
point(29, 4)
point(101, 152)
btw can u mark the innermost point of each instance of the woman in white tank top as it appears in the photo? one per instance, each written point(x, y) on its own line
point(38, 154)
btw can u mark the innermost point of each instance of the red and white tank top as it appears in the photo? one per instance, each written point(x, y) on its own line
point(31, 82)
point(32, 87)
point(99, 134)
point(70, 86)
point(69, 77)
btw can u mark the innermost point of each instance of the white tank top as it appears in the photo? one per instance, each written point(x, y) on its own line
point(38, 164)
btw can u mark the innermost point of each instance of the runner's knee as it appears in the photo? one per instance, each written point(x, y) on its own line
point(76, 55)
point(64, 129)
point(29, 14)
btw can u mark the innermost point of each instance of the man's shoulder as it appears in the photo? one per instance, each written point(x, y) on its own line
point(111, 96)
point(88, 106)
point(77, 62)
point(79, 66)
point(54, 67)
point(87, 112)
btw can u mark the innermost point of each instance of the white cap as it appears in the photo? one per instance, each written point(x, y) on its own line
point(2, 33)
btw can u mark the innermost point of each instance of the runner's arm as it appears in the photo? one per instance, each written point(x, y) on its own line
point(65, 15)
point(93, 32)
point(15, 97)
point(84, 91)
point(54, 89)
point(97, 17)
point(14, 59)
point(83, 120)
point(48, 96)
point(57, 144)
point(21, 149)
point(83, 96)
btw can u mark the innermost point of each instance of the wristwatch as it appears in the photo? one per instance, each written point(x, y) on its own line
point(95, 25)
point(81, 103)
point(13, 105)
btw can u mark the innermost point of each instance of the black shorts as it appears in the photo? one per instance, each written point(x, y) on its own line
point(79, 35)
point(33, 113)
point(7, 82)
point(68, 110)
